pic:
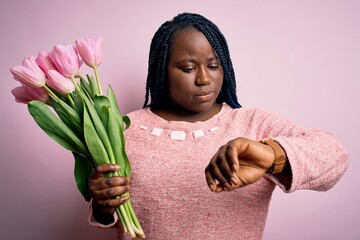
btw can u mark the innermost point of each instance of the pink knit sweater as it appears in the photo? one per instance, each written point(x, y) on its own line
point(168, 189)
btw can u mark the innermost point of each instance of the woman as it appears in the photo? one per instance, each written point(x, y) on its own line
point(194, 123)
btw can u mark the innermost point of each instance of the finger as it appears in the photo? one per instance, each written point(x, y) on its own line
point(102, 169)
point(219, 188)
point(112, 203)
point(210, 180)
point(112, 192)
point(115, 181)
point(101, 184)
point(232, 157)
point(105, 183)
point(215, 171)
point(223, 163)
point(233, 163)
point(236, 148)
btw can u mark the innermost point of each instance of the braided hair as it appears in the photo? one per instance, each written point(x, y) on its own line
point(156, 83)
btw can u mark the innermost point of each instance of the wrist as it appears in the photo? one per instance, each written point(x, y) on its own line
point(101, 215)
point(280, 156)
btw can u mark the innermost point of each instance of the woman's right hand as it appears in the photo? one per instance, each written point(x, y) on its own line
point(104, 192)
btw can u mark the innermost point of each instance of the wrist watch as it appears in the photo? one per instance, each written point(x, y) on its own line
point(280, 156)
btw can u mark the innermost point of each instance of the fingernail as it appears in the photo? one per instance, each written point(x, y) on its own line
point(234, 180)
point(235, 167)
point(219, 189)
point(116, 167)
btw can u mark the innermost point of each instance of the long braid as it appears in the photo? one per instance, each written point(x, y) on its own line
point(156, 84)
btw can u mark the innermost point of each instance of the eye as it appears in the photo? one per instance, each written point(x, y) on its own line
point(187, 69)
point(213, 66)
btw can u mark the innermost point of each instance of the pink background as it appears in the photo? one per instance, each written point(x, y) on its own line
point(297, 58)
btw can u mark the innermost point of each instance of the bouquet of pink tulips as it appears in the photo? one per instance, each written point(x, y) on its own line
point(84, 120)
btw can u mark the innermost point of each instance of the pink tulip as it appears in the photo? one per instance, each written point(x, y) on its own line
point(29, 73)
point(44, 61)
point(66, 60)
point(25, 94)
point(90, 51)
point(60, 83)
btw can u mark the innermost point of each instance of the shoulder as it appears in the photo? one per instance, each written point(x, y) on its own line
point(259, 118)
point(138, 113)
point(249, 113)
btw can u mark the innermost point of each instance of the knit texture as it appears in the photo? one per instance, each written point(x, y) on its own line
point(168, 188)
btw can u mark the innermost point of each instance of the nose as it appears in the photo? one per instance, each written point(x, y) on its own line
point(203, 77)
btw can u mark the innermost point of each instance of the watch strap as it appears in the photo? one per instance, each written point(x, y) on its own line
point(280, 156)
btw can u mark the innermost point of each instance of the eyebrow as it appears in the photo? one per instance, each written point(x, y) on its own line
point(210, 59)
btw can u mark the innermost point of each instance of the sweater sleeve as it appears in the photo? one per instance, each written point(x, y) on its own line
point(93, 222)
point(317, 158)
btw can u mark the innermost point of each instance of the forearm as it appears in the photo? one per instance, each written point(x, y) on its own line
point(316, 160)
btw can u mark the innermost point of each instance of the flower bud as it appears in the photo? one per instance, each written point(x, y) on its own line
point(66, 60)
point(90, 51)
point(25, 94)
point(29, 73)
point(59, 82)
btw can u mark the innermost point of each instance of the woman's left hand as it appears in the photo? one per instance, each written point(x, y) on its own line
point(238, 163)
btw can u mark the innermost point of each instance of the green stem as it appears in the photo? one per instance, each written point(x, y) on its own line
point(98, 80)
point(51, 93)
point(130, 213)
point(122, 220)
point(126, 220)
point(139, 231)
point(70, 100)
point(75, 83)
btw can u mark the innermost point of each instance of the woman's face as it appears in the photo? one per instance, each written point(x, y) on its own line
point(195, 73)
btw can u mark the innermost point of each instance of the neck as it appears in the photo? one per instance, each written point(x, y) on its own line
point(174, 113)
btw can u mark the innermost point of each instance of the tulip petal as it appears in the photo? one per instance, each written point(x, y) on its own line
point(66, 60)
point(44, 61)
point(59, 82)
point(21, 95)
point(29, 73)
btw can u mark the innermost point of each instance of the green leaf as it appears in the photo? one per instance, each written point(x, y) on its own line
point(85, 87)
point(118, 143)
point(101, 105)
point(55, 128)
point(100, 129)
point(127, 122)
point(78, 105)
point(93, 141)
point(113, 101)
point(74, 123)
point(114, 105)
point(82, 171)
point(93, 86)
point(71, 113)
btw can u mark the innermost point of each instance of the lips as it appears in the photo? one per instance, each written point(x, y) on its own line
point(204, 96)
